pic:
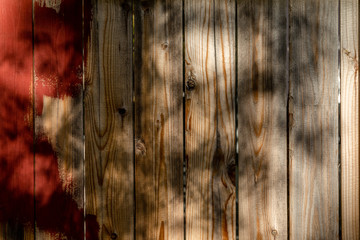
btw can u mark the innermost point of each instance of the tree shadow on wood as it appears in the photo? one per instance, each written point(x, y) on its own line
point(262, 84)
point(49, 148)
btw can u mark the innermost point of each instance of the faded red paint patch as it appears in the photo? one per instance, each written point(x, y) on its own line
point(56, 210)
point(16, 134)
point(58, 69)
point(58, 51)
point(58, 61)
point(92, 228)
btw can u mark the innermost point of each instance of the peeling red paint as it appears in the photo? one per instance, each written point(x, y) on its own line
point(58, 51)
point(58, 70)
point(58, 61)
point(92, 228)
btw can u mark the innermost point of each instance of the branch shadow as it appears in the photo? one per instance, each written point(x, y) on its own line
point(159, 160)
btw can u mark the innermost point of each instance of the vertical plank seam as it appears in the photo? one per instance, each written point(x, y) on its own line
point(217, 137)
point(184, 117)
point(33, 107)
point(287, 115)
point(236, 127)
point(83, 113)
point(98, 78)
point(358, 22)
point(216, 75)
point(357, 77)
point(339, 115)
point(133, 111)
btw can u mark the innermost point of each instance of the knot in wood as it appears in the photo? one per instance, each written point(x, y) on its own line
point(122, 111)
point(164, 45)
point(146, 5)
point(113, 236)
point(125, 6)
point(274, 232)
point(353, 59)
point(191, 82)
point(140, 148)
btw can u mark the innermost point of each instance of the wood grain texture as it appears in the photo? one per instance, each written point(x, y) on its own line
point(108, 120)
point(313, 120)
point(16, 231)
point(16, 121)
point(59, 145)
point(210, 119)
point(262, 99)
point(159, 120)
point(350, 185)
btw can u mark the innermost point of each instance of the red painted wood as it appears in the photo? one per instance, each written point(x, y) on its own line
point(16, 122)
point(58, 71)
point(58, 50)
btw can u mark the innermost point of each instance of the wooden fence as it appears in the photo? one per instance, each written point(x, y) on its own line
point(179, 119)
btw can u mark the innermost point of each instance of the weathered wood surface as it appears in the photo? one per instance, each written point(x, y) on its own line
point(210, 119)
point(134, 118)
point(350, 212)
point(108, 120)
point(17, 231)
point(16, 121)
point(313, 120)
point(262, 100)
point(158, 119)
point(58, 106)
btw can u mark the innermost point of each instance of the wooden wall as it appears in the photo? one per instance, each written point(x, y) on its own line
point(179, 119)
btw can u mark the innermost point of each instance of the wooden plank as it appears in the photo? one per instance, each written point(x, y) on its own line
point(58, 119)
point(108, 120)
point(350, 185)
point(159, 119)
point(16, 121)
point(210, 119)
point(313, 120)
point(16, 230)
point(262, 100)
